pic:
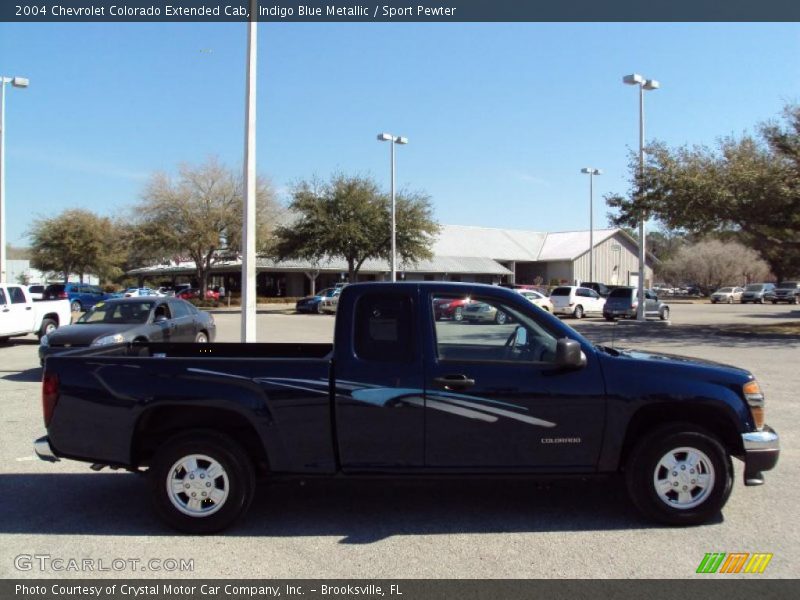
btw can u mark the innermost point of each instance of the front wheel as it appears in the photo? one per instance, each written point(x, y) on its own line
point(458, 314)
point(201, 338)
point(201, 482)
point(680, 475)
point(664, 314)
point(578, 314)
point(500, 318)
point(75, 306)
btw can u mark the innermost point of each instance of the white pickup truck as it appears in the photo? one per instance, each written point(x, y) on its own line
point(20, 315)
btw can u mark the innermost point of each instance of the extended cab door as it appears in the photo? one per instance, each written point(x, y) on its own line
point(20, 307)
point(378, 387)
point(495, 399)
point(6, 320)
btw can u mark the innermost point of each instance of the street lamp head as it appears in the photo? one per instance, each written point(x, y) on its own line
point(20, 82)
point(634, 79)
point(400, 140)
point(385, 137)
point(591, 171)
point(651, 84)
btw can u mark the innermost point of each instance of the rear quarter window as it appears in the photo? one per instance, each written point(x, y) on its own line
point(384, 328)
point(561, 291)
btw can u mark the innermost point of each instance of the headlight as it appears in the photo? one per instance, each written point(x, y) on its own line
point(44, 341)
point(117, 338)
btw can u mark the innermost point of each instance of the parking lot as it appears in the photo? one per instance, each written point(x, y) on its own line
point(389, 529)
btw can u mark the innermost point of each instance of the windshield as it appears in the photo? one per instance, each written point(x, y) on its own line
point(724, 290)
point(788, 285)
point(620, 293)
point(124, 313)
point(754, 287)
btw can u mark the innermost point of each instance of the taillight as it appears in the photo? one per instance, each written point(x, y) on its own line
point(63, 295)
point(755, 399)
point(49, 396)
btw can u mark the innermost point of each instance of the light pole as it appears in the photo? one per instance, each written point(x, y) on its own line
point(248, 324)
point(591, 172)
point(17, 82)
point(649, 85)
point(388, 137)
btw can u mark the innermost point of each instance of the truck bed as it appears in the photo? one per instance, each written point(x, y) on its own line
point(109, 393)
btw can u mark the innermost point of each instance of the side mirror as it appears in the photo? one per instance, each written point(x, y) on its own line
point(569, 354)
point(520, 337)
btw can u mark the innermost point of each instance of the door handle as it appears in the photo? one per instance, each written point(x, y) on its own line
point(454, 382)
point(28, 308)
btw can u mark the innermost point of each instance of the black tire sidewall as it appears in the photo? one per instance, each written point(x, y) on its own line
point(641, 466)
point(233, 459)
point(43, 328)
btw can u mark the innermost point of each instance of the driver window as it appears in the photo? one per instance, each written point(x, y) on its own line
point(487, 330)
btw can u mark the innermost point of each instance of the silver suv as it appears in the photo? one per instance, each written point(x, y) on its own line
point(755, 292)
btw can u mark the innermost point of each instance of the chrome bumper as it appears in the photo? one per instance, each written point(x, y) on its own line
point(44, 450)
point(761, 452)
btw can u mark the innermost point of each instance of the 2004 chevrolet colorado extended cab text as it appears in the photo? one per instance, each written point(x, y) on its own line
point(400, 393)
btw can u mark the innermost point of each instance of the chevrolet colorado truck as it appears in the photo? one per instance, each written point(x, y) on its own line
point(402, 394)
point(21, 315)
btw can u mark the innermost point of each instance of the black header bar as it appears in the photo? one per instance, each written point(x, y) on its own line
point(421, 11)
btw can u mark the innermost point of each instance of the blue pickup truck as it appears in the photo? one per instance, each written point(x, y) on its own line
point(400, 393)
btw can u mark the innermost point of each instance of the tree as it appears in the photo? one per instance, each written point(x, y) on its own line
point(748, 186)
point(198, 215)
point(76, 241)
point(349, 217)
point(712, 264)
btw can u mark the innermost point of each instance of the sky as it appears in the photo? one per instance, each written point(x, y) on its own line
point(500, 117)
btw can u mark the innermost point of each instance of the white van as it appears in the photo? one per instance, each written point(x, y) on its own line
point(576, 301)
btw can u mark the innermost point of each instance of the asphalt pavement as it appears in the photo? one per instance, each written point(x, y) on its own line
point(390, 529)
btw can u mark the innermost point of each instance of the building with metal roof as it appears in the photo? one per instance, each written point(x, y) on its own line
point(460, 253)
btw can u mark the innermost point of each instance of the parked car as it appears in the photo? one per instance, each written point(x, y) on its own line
point(788, 291)
point(623, 302)
point(81, 296)
point(450, 308)
point(329, 303)
point(135, 319)
point(20, 315)
point(481, 312)
point(36, 290)
point(576, 301)
point(194, 293)
point(537, 299)
point(756, 292)
point(729, 295)
point(399, 394)
point(310, 304)
point(600, 288)
point(139, 292)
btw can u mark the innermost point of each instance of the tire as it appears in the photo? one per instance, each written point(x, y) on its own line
point(500, 318)
point(201, 338)
point(774, 301)
point(578, 314)
point(664, 316)
point(730, 299)
point(4, 340)
point(75, 306)
point(48, 327)
point(609, 319)
point(680, 499)
point(201, 451)
point(458, 314)
point(795, 300)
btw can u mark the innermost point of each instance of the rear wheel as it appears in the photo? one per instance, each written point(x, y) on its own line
point(76, 306)
point(201, 338)
point(578, 314)
point(458, 314)
point(679, 474)
point(500, 318)
point(609, 318)
point(730, 299)
point(201, 482)
point(664, 314)
point(48, 327)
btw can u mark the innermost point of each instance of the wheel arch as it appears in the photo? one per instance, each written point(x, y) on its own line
point(161, 423)
point(707, 418)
